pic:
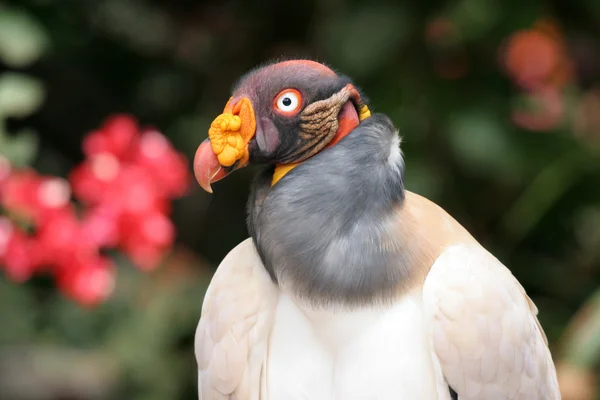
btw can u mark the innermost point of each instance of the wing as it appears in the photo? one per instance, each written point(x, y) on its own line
point(484, 330)
point(231, 337)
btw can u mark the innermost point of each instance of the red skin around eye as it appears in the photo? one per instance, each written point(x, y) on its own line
point(288, 113)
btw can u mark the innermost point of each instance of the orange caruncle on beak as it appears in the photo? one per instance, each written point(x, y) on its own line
point(227, 143)
point(231, 131)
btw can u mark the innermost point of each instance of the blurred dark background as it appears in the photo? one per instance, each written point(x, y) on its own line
point(497, 103)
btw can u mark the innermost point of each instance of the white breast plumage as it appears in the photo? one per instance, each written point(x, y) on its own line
point(324, 355)
point(470, 325)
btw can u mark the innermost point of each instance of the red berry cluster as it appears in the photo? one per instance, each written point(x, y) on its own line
point(124, 188)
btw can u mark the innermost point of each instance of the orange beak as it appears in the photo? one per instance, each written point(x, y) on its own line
point(226, 148)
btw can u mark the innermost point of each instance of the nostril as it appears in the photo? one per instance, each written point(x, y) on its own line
point(237, 106)
point(234, 105)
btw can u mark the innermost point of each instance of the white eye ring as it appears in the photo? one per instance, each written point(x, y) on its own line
point(288, 101)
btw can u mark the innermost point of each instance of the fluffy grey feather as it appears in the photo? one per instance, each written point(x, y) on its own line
point(326, 229)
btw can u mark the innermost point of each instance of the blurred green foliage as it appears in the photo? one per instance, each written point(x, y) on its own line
point(22, 42)
point(530, 196)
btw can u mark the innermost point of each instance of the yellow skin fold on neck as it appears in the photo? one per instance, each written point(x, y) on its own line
point(282, 169)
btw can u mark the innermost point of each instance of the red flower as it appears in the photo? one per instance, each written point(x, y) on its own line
point(5, 170)
point(18, 252)
point(53, 196)
point(128, 178)
point(19, 193)
point(61, 238)
point(124, 185)
point(117, 136)
point(100, 225)
point(33, 197)
point(88, 280)
point(551, 110)
point(94, 177)
point(537, 58)
point(146, 237)
point(136, 191)
point(168, 168)
point(531, 57)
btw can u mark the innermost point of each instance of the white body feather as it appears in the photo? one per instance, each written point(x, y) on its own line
point(470, 325)
point(361, 355)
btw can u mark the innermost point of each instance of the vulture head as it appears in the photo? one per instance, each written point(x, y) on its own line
point(279, 114)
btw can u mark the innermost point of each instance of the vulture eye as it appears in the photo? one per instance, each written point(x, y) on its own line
point(288, 102)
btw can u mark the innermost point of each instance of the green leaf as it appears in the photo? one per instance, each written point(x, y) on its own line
point(20, 95)
point(22, 38)
point(480, 143)
point(17, 307)
point(362, 40)
point(582, 340)
point(475, 18)
point(22, 149)
point(422, 178)
point(550, 185)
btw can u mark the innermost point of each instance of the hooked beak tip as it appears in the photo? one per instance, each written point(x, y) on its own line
point(206, 184)
point(206, 166)
point(206, 188)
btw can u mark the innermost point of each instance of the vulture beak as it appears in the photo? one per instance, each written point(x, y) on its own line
point(226, 148)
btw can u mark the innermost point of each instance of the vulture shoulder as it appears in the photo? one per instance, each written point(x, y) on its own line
point(231, 337)
point(484, 330)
